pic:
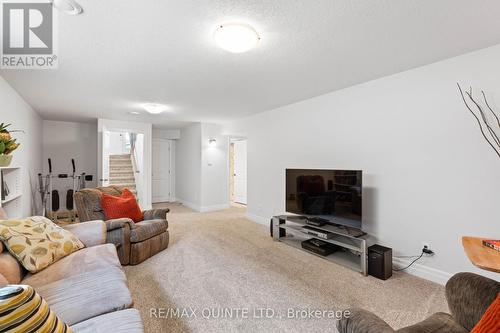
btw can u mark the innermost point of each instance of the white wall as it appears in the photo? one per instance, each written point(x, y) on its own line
point(201, 170)
point(214, 169)
point(188, 167)
point(428, 174)
point(63, 141)
point(13, 109)
point(170, 134)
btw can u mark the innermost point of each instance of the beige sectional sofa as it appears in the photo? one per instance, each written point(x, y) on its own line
point(87, 289)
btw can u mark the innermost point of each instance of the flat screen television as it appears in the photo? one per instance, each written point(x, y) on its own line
point(332, 195)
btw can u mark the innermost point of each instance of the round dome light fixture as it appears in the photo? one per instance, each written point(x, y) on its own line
point(236, 37)
point(70, 7)
point(155, 108)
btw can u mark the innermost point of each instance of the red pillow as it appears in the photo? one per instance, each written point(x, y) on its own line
point(122, 206)
point(490, 322)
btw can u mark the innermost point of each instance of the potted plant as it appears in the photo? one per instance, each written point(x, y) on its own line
point(7, 145)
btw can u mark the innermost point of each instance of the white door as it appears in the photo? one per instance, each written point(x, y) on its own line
point(240, 172)
point(104, 158)
point(161, 170)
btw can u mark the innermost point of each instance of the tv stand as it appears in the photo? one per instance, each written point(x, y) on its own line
point(353, 245)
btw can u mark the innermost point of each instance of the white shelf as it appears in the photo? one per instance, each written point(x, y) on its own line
point(12, 203)
point(10, 198)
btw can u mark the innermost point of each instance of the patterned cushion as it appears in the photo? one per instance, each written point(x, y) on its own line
point(23, 310)
point(37, 242)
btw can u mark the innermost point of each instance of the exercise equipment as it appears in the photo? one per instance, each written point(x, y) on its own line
point(45, 183)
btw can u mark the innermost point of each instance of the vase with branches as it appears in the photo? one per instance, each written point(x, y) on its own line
point(486, 118)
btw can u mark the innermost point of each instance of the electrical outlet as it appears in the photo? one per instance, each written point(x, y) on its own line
point(426, 247)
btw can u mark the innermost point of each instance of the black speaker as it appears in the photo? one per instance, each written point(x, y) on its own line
point(282, 231)
point(380, 261)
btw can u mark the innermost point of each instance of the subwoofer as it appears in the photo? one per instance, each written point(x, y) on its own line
point(380, 261)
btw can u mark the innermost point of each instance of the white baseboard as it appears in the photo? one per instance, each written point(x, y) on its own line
point(213, 208)
point(190, 205)
point(203, 209)
point(258, 219)
point(422, 271)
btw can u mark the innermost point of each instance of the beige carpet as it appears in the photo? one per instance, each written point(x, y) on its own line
point(221, 260)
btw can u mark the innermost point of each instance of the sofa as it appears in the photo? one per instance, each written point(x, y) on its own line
point(135, 242)
point(468, 296)
point(86, 289)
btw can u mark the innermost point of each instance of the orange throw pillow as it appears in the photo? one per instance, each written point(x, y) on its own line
point(122, 206)
point(490, 322)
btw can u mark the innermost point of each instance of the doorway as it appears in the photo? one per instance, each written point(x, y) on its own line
point(124, 157)
point(238, 171)
point(162, 170)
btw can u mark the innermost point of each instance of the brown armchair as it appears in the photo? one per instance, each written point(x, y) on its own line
point(468, 296)
point(135, 242)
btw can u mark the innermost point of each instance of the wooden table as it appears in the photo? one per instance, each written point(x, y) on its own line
point(480, 255)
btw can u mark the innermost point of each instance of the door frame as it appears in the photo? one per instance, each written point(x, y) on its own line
point(137, 127)
point(171, 196)
point(233, 139)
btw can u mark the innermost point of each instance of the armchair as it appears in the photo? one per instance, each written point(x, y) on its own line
point(135, 242)
point(468, 296)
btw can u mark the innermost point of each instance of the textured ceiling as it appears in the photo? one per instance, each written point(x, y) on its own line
point(119, 53)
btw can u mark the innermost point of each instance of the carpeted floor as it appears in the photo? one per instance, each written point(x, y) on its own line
point(222, 261)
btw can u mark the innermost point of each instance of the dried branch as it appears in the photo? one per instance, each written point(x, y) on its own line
point(485, 119)
point(489, 107)
point(497, 151)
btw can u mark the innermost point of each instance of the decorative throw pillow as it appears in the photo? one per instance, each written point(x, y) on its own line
point(123, 206)
point(490, 321)
point(23, 310)
point(37, 242)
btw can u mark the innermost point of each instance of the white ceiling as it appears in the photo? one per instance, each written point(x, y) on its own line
point(119, 53)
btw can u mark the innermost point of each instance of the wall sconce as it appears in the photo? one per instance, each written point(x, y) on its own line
point(212, 142)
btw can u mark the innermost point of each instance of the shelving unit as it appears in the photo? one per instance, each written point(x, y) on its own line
point(353, 252)
point(11, 191)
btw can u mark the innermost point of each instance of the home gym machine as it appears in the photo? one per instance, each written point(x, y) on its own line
point(50, 196)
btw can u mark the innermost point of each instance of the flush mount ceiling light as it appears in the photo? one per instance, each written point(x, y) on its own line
point(155, 108)
point(236, 37)
point(70, 7)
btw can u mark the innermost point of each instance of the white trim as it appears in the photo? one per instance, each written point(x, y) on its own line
point(203, 209)
point(190, 205)
point(162, 199)
point(258, 219)
point(213, 208)
point(422, 271)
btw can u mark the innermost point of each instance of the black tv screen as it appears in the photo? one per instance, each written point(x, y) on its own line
point(333, 195)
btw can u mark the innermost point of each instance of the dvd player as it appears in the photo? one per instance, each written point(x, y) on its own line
point(316, 221)
point(317, 232)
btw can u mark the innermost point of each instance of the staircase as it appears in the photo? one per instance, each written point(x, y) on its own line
point(121, 172)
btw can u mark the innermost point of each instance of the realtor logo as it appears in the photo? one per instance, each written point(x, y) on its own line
point(28, 35)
